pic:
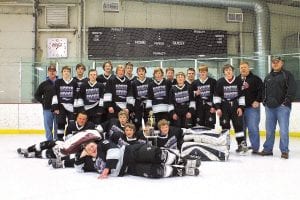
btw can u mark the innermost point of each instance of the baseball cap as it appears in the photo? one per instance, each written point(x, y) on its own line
point(274, 58)
point(51, 68)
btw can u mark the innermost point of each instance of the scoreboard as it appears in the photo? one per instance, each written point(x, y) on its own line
point(136, 43)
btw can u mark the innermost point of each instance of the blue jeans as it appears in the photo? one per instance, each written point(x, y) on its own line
point(251, 122)
point(50, 125)
point(282, 115)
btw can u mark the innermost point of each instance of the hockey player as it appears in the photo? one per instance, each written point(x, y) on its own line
point(138, 160)
point(63, 100)
point(113, 128)
point(129, 72)
point(190, 73)
point(107, 73)
point(181, 103)
point(103, 78)
point(118, 94)
point(81, 123)
point(158, 95)
point(140, 95)
point(130, 136)
point(79, 78)
point(170, 73)
point(45, 149)
point(90, 98)
point(204, 90)
point(229, 102)
point(169, 136)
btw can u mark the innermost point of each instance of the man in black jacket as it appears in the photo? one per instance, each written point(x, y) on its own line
point(279, 92)
point(44, 94)
point(252, 87)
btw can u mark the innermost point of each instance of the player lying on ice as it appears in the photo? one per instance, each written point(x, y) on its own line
point(144, 160)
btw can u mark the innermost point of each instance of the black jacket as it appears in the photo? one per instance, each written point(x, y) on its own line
point(44, 94)
point(253, 88)
point(279, 89)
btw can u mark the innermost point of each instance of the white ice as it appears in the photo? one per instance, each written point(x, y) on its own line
point(242, 177)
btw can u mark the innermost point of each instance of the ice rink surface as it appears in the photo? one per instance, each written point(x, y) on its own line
point(242, 177)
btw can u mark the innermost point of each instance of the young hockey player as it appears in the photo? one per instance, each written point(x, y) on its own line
point(158, 95)
point(80, 78)
point(169, 136)
point(181, 103)
point(140, 94)
point(113, 128)
point(229, 102)
point(81, 123)
point(170, 73)
point(204, 90)
point(107, 73)
point(63, 100)
point(90, 98)
point(118, 94)
point(130, 136)
point(129, 72)
point(190, 74)
point(143, 160)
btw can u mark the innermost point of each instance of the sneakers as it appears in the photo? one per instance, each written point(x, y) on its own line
point(285, 155)
point(29, 155)
point(22, 151)
point(242, 148)
point(265, 153)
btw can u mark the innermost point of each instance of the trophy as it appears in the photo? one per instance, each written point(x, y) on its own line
point(151, 122)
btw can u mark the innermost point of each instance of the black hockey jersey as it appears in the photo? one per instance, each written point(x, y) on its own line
point(111, 129)
point(108, 156)
point(80, 81)
point(229, 91)
point(136, 139)
point(181, 100)
point(90, 95)
point(131, 79)
point(104, 79)
point(173, 139)
point(65, 94)
point(140, 90)
point(158, 95)
point(206, 88)
point(74, 128)
point(118, 93)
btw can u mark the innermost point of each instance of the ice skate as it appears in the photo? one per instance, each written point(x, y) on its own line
point(56, 163)
point(29, 155)
point(192, 171)
point(242, 148)
point(22, 151)
point(192, 161)
point(56, 151)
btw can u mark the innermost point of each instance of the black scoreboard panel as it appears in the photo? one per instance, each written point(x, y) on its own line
point(138, 43)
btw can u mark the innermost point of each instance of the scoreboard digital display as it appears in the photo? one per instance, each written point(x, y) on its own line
point(135, 43)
